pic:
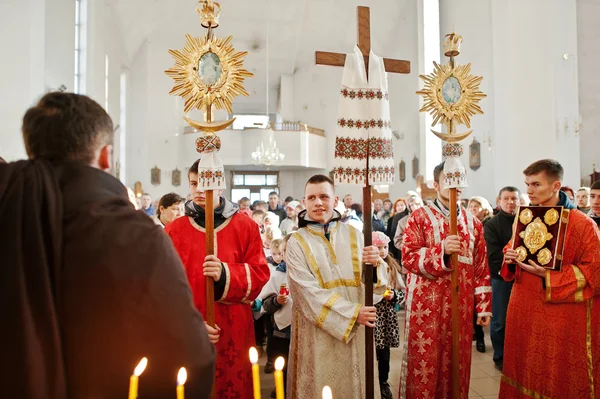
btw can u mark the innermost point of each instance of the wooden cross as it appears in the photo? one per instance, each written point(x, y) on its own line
point(391, 65)
point(364, 44)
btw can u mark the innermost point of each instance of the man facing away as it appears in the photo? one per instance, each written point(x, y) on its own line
point(498, 232)
point(239, 270)
point(89, 285)
point(324, 272)
point(426, 250)
point(552, 343)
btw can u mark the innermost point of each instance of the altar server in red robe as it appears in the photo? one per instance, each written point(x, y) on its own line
point(240, 270)
point(426, 248)
point(552, 344)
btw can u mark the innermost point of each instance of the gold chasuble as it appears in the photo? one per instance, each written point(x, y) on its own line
point(327, 346)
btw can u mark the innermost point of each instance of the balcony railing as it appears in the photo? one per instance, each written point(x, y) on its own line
point(278, 127)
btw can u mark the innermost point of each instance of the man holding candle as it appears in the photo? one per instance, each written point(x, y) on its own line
point(89, 285)
point(239, 269)
point(324, 272)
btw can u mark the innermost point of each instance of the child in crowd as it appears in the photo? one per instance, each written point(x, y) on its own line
point(278, 308)
point(258, 216)
point(387, 331)
point(271, 233)
point(270, 219)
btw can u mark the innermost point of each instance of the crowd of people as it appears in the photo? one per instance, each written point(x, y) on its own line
point(91, 277)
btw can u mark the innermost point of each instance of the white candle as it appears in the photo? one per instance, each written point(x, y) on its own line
point(327, 393)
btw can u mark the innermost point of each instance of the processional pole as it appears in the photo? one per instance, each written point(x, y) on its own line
point(452, 95)
point(208, 74)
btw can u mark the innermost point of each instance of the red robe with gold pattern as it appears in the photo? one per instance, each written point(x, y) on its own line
point(426, 366)
point(239, 246)
point(552, 343)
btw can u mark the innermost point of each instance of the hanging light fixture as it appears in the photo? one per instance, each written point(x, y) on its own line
point(267, 155)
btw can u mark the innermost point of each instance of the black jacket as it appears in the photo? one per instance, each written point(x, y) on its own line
point(497, 233)
point(89, 287)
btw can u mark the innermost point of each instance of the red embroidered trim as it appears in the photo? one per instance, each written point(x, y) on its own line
point(361, 94)
point(357, 175)
point(366, 124)
point(349, 148)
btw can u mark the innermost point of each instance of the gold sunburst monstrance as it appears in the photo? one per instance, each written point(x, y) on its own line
point(451, 94)
point(208, 71)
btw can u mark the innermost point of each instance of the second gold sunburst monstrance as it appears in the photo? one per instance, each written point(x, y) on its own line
point(452, 96)
point(208, 74)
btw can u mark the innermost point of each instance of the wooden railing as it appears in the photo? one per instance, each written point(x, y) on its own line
point(278, 127)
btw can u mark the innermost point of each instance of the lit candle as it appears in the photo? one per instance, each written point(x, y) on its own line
point(279, 391)
point(181, 377)
point(327, 393)
point(133, 381)
point(255, 375)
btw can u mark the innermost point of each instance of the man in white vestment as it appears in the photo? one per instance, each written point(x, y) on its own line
point(325, 276)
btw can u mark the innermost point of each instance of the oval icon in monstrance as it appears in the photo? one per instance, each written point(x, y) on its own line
point(209, 69)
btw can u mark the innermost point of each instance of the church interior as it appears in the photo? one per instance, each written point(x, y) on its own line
point(538, 61)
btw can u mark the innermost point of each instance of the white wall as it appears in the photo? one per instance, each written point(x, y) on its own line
point(589, 85)
point(41, 49)
point(532, 90)
point(21, 70)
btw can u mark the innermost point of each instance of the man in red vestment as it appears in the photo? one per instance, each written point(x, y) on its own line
point(426, 248)
point(240, 270)
point(552, 344)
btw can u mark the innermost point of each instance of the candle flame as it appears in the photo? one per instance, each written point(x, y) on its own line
point(327, 393)
point(181, 376)
point(253, 355)
point(140, 367)
point(279, 363)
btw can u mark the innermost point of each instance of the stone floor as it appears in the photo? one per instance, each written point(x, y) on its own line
point(485, 379)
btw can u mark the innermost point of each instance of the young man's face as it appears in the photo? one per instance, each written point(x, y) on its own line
point(198, 195)
point(509, 201)
point(595, 201)
point(443, 192)
point(320, 201)
point(583, 199)
point(273, 201)
point(541, 189)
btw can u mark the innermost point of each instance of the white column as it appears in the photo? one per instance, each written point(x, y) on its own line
point(22, 72)
point(532, 102)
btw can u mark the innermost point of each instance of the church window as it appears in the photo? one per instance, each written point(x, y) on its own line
point(254, 185)
point(80, 46)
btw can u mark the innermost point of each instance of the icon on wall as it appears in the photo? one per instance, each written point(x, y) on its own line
point(155, 176)
point(402, 170)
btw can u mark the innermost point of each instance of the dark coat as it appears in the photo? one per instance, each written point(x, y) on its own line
point(89, 287)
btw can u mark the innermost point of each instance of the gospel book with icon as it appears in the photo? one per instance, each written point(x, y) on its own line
point(539, 235)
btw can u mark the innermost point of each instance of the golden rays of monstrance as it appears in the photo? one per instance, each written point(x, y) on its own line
point(451, 94)
point(207, 71)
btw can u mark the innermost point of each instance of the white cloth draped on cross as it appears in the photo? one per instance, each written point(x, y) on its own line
point(363, 125)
